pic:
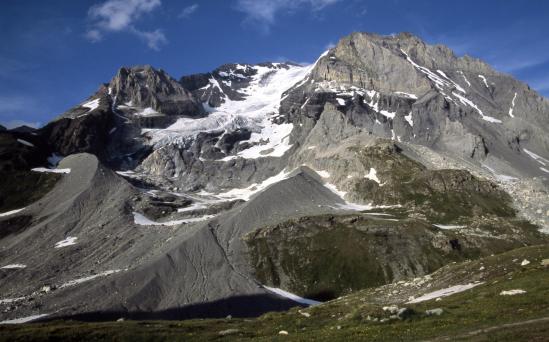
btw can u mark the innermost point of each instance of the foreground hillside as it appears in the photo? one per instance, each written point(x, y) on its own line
point(503, 297)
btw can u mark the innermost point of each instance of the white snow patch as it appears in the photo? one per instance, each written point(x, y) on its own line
point(372, 175)
point(142, 220)
point(24, 319)
point(69, 241)
point(8, 213)
point(446, 226)
point(147, 112)
point(390, 115)
point(46, 170)
point(112, 130)
point(323, 174)
point(503, 178)
point(512, 106)
point(11, 300)
point(13, 266)
point(291, 296)
point(484, 80)
point(411, 96)
point(340, 101)
point(536, 157)
point(458, 87)
point(246, 193)
point(512, 292)
point(353, 206)
point(24, 142)
point(525, 262)
point(88, 278)
point(93, 104)
point(544, 169)
point(409, 119)
point(470, 103)
point(444, 292)
point(192, 207)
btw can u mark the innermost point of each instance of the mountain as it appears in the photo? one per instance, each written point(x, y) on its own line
point(255, 188)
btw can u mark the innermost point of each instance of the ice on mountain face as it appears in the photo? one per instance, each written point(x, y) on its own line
point(91, 105)
point(292, 296)
point(255, 112)
point(484, 80)
point(13, 266)
point(69, 241)
point(470, 103)
point(88, 278)
point(24, 142)
point(24, 319)
point(372, 175)
point(12, 212)
point(512, 106)
point(544, 169)
point(444, 292)
point(142, 220)
point(409, 119)
point(447, 226)
point(46, 170)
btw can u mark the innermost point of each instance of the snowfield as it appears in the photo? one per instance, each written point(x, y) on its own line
point(261, 104)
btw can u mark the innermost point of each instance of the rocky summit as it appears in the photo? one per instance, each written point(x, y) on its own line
point(386, 171)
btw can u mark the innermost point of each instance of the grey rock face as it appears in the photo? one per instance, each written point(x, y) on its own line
point(146, 87)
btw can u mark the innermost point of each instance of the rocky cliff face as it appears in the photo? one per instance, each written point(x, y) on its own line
point(250, 175)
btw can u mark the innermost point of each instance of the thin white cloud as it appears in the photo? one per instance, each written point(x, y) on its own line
point(188, 11)
point(264, 12)
point(121, 16)
point(154, 39)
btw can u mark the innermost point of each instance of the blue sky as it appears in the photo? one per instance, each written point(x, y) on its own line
point(55, 53)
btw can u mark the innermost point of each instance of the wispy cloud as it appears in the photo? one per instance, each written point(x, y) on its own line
point(264, 12)
point(188, 11)
point(121, 16)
